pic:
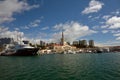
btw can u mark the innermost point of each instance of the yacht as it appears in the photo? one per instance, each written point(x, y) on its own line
point(16, 49)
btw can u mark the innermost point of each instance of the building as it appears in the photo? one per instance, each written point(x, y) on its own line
point(42, 43)
point(91, 43)
point(84, 43)
point(75, 43)
point(80, 44)
point(63, 46)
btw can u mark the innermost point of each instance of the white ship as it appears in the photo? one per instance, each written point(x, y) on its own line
point(16, 49)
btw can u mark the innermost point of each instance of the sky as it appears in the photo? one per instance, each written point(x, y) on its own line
point(37, 20)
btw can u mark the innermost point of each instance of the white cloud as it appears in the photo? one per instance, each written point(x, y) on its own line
point(106, 17)
point(6, 33)
point(90, 16)
point(118, 38)
point(114, 19)
point(16, 29)
point(105, 31)
point(35, 23)
point(97, 17)
point(95, 27)
point(94, 6)
point(25, 27)
point(113, 22)
point(73, 30)
point(32, 24)
point(2, 29)
point(57, 27)
point(17, 35)
point(94, 18)
point(118, 34)
point(104, 26)
point(117, 12)
point(115, 31)
point(45, 28)
point(9, 7)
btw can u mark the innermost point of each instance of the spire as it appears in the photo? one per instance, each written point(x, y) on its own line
point(62, 35)
point(62, 39)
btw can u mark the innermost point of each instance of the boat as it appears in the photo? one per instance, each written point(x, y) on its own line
point(99, 50)
point(19, 50)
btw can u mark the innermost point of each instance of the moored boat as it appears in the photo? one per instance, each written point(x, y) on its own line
point(19, 50)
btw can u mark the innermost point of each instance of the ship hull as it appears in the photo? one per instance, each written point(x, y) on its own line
point(23, 52)
point(26, 52)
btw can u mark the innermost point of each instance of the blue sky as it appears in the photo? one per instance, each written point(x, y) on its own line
point(44, 19)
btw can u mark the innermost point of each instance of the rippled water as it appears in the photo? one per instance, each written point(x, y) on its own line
point(61, 67)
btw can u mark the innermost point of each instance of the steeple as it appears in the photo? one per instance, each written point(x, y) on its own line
point(62, 35)
point(62, 39)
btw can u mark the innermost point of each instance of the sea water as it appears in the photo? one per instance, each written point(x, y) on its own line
point(85, 66)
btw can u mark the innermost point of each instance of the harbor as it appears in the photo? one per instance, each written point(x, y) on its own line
point(23, 48)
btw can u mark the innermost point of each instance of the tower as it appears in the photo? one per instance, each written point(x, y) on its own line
point(62, 39)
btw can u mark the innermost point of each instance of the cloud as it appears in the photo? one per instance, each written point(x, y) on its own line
point(2, 29)
point(45, 28)
point(113, 22)
point(105, 31)
point(17, 29)
point(94, 6)
point(106, 17)
point(117, 12)
point(58, 26)
point(38, 36)
point(18, 35)
point(9, 7)
point(6, 33)
point(115, 31)
point(32, 24)
point(117, 35)
point(94, 18)
point(35, 23)
point(25, 27)
point(114, 13)
point(118, 38)
point(90, 16)
point(72, 30)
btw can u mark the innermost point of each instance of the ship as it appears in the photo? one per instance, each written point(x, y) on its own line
point(16, 49)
